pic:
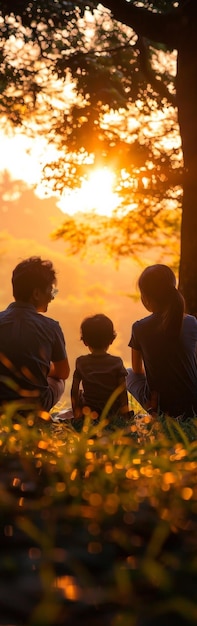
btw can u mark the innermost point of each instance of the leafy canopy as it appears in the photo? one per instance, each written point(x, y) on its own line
point(94, 88)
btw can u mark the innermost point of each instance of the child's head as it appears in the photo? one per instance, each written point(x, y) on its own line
point(97, 332)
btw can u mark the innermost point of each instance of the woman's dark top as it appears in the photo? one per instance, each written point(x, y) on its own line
point(170, 366)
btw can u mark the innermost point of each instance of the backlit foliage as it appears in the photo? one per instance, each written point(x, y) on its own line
point(112, 115)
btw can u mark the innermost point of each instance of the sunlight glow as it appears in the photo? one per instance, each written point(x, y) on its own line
point(24, 158)
point(96, 194)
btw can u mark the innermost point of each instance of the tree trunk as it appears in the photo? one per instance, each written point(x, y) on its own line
point(187, 116)
point(188, 253)
point(177, 29)
point(187, 112)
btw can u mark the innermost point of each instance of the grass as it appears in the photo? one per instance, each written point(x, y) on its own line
point(98, 526)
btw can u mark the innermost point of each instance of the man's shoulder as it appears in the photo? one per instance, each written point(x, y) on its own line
point(3, 314)
point(49, 320)
point(45, 319)
point(6, 310)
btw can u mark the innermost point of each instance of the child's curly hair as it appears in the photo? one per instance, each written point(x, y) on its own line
point(97, 331)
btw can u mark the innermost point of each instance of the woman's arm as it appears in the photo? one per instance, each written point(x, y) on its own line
point(138, 368)
point(137, 361)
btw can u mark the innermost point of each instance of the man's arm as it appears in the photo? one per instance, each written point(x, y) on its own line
point(59, 369)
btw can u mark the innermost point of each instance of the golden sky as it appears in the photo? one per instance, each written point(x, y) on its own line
point(85, 286)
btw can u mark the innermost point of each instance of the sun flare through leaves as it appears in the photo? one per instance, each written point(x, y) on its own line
point(96, 194)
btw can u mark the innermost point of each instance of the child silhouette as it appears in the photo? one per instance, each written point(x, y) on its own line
point(99, 373)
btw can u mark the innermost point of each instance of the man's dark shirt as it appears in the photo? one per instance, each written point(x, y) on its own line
point(28, 342)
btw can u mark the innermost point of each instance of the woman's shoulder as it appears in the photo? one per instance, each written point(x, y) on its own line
point(190, 323)
point(190, 320)
point(146, 321)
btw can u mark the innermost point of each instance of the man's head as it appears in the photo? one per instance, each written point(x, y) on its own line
point(33, 280)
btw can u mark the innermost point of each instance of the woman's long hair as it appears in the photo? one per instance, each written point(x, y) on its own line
point(158, 284)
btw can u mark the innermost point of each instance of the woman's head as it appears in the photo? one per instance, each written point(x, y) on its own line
point(159, 294)
point(157, 284)
point(97, 332)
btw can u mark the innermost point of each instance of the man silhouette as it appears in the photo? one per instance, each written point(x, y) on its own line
point(33, 359)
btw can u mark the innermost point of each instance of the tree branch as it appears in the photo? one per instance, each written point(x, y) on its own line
point(158, 85)
point(160, 27)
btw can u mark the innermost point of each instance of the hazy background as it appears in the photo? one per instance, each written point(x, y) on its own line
point(85, 287)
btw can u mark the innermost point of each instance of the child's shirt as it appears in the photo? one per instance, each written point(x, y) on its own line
point(100, 376)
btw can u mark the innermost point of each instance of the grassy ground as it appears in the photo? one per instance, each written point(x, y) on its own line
point(98, 523)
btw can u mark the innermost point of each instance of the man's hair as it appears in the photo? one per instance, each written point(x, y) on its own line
point(97, 331)
point(29, 274)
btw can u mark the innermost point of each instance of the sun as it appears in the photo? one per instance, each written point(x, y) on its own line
point(95, 194)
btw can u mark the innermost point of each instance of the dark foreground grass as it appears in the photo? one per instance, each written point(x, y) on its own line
point(98, 527)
